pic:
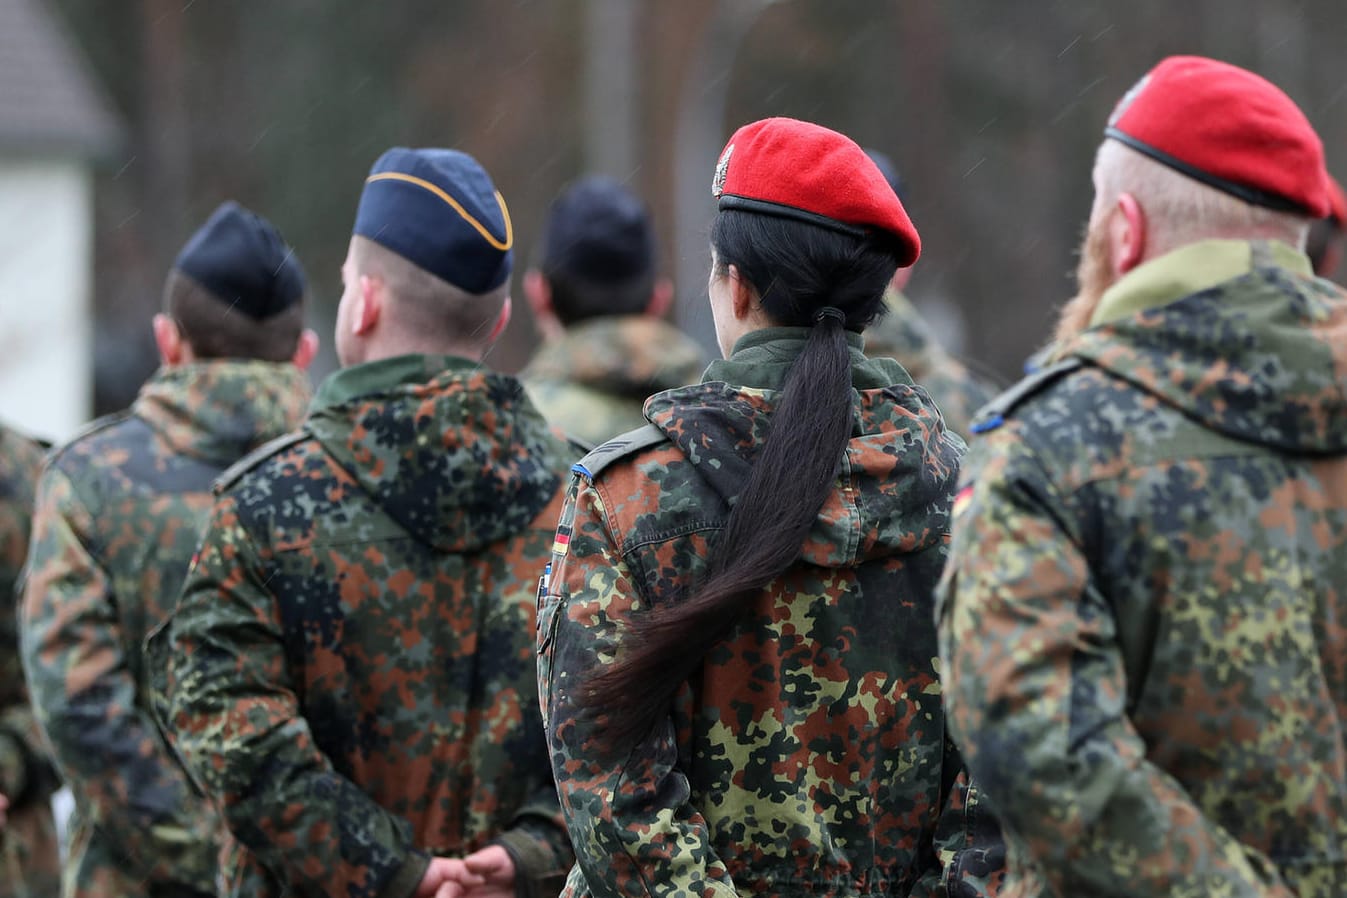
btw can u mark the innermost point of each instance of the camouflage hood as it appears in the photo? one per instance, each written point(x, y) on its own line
point(453, 452)
point(218, 410)
point(896, 477)
point(631, 356)
point(1260, 356)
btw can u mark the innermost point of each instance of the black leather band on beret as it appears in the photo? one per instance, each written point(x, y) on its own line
point(1249, 194)
point(762, 207)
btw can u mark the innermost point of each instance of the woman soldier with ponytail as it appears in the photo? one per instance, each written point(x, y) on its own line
point(736, 632)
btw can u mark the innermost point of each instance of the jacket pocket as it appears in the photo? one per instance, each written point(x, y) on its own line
point(549, 617)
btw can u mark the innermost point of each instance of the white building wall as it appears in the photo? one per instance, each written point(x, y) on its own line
point(46, 265)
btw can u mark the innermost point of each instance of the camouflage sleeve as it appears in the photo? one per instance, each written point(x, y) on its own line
point(632, 825)
point(967, 839)
point(107, 748)
point(25, 775)
point(1036, 689)
point(537, 843)
point(236, 719)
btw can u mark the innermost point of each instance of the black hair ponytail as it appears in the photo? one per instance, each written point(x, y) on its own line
point(804, 275)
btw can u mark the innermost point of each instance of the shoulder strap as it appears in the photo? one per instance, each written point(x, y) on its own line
point(994, 414)
point(617, 448)
point(256, 457)
point(88, 430)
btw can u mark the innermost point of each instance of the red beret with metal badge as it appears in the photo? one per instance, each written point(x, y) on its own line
point(1229, 129)
point(798, 170)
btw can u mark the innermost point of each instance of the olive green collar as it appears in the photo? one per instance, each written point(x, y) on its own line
point(383, 375)
point(762, 358)
point(1191, 269)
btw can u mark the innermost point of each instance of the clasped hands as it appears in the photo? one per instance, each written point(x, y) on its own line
point(488, 873)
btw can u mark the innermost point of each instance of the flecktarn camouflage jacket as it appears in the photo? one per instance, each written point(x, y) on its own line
point(119, 509)
point(808, 755)
point(352, 675)
point(900, 333)
point(30, 862)
point(1144, 618)
point(593, 382)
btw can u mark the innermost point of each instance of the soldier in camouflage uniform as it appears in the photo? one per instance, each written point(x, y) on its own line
point(352, 676)
point(601, 309)
point(736, 638)
point(1143, 622)
point(900, 333)
point(30, 863)
point(119, 510)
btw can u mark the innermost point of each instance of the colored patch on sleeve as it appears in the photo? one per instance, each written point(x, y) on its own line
point(961, 500)
point(562, 542)
point(989, 423)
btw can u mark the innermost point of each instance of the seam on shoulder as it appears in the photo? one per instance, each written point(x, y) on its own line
point(617, 448)
point(995, 413)
point(98, 425)
point(235, 472)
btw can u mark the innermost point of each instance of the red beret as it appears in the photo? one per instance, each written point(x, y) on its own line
point(1229, 129)
point(794, 169)
point(1337, 202)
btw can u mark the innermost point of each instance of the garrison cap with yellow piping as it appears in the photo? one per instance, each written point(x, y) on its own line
point(439, 210)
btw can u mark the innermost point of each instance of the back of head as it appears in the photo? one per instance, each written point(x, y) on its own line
point(1212, 150)
point(236, 289)
point(434, 230)
point(809, 221)
point(598, 251)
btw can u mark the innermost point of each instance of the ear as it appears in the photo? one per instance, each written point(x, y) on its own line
point(538, 294)
point(1127, 235)
point(661, 298)
point(368, 305)
point(502, 320)
point(744, 298)
point(169, 340)
point(305, 349)
point(901, 277)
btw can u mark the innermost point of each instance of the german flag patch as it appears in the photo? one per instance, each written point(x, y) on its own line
point(961, 500)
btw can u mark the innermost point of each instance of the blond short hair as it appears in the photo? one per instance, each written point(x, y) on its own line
point(1180, 210)
point(425, 308)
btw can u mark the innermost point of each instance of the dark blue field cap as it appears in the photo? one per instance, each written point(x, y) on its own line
point(599, 231)
point(890, 171)
point(241, 259)
point(439, 210)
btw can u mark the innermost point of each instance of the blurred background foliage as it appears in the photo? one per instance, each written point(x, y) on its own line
point(991, 109)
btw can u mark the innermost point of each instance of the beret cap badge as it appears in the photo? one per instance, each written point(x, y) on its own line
point(722, 169)
point(787, 168)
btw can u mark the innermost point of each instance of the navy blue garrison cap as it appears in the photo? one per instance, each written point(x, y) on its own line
point(599, 231)
point(439, 210)
point(241, 259)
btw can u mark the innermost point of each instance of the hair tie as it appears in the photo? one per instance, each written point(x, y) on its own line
point(833, 312)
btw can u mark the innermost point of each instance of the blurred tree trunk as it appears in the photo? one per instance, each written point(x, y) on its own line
point(166, 139)
point(699, 136)
point(611, 87)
